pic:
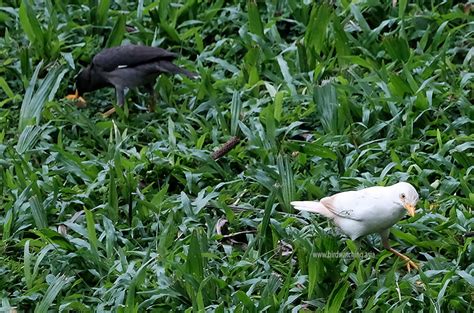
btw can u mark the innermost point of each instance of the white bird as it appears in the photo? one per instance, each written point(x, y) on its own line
point(366, 211)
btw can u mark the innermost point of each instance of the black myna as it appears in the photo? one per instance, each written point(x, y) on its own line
point(126, 67)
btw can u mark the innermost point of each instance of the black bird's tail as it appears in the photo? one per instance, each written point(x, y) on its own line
point(168, 67)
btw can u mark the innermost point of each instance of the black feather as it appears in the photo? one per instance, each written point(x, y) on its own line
point(127, 67)
point(130, 55)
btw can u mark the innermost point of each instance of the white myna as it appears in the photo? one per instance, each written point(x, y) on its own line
point(366, 211)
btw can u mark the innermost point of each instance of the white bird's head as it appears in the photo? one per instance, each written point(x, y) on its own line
point(406, 196)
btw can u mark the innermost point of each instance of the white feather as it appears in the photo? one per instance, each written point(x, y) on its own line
point(312, 206)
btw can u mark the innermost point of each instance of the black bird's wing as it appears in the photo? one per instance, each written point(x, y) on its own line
point(130, 56)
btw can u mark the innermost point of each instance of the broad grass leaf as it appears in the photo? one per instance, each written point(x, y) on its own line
point(137, 281)
point(278, 105)
point(302, 57)
point(359, 17)
point(165, 9)
point(118, 32)
point(315, 272)
point(466, 276)
point(93, 240)
point(31, 25)
point(28, 138)
point(268, 299)
point(326, 101)
point(224, 64)
point(112, 205)
point(55, 239)
point(194, 261)
point(446, 281)
point(285, 71)
point(74, 164)
point(33, 101)
point(355, 59)
point(38, 212)
point(402, 5)
point(255, 22)
point(140, 9)
point(264, 233)
point(8, 223)
point(27, 265)
point(235, 111)
point(102, 12)
point(246, 301)
point(440, 36)
point(267, 116)
point(317, 149)
point(316, 30)
point(170, 31)
point(167, 236)
point(26, 110)
point(171, 135)
point(58, 282)
point(337, 298)
point(6, 88)
point(341, 41)
point(287, 181)
point(397, 48)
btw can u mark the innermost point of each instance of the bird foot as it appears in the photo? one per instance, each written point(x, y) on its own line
point(409, 263)
point(108, 113)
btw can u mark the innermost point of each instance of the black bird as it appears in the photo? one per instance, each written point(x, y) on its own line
point(127, 67)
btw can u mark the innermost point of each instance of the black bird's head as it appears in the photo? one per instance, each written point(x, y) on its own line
point(89, 79)
point(83, 84)
point(84, 81)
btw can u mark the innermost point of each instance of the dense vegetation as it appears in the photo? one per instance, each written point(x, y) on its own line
point(325, 97)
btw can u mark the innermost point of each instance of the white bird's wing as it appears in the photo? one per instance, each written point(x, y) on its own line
point(355, 205)
point(312, 206)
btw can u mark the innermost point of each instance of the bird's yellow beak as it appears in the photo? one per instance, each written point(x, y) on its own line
point(410, 208)
point(80, 102)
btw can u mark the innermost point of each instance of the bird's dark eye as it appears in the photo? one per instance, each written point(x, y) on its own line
point(402, 195)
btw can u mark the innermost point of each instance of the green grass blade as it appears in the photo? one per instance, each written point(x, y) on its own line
point(316, 30)
point(113, 209)
point(6, 88)
point(287, 181)
point(58, 283)
point(194, 261)
point(336, 299)
point(92, 236)
point(264, 233)
point(31, 25)
point(255, 21)
point(28, 138)
point(33, 103)
point(118, 32)
point(27, 265)
point(328, 107)
point(38, 212)
point(102, 12)
point(235, 111)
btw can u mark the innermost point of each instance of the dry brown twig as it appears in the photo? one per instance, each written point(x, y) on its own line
point(225, 148)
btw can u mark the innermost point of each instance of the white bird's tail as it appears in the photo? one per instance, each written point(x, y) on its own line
point(312, 206)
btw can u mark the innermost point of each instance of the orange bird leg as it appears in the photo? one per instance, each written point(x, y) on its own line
point(409, 263)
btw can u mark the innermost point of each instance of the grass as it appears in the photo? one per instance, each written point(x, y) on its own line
point(325, 98)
